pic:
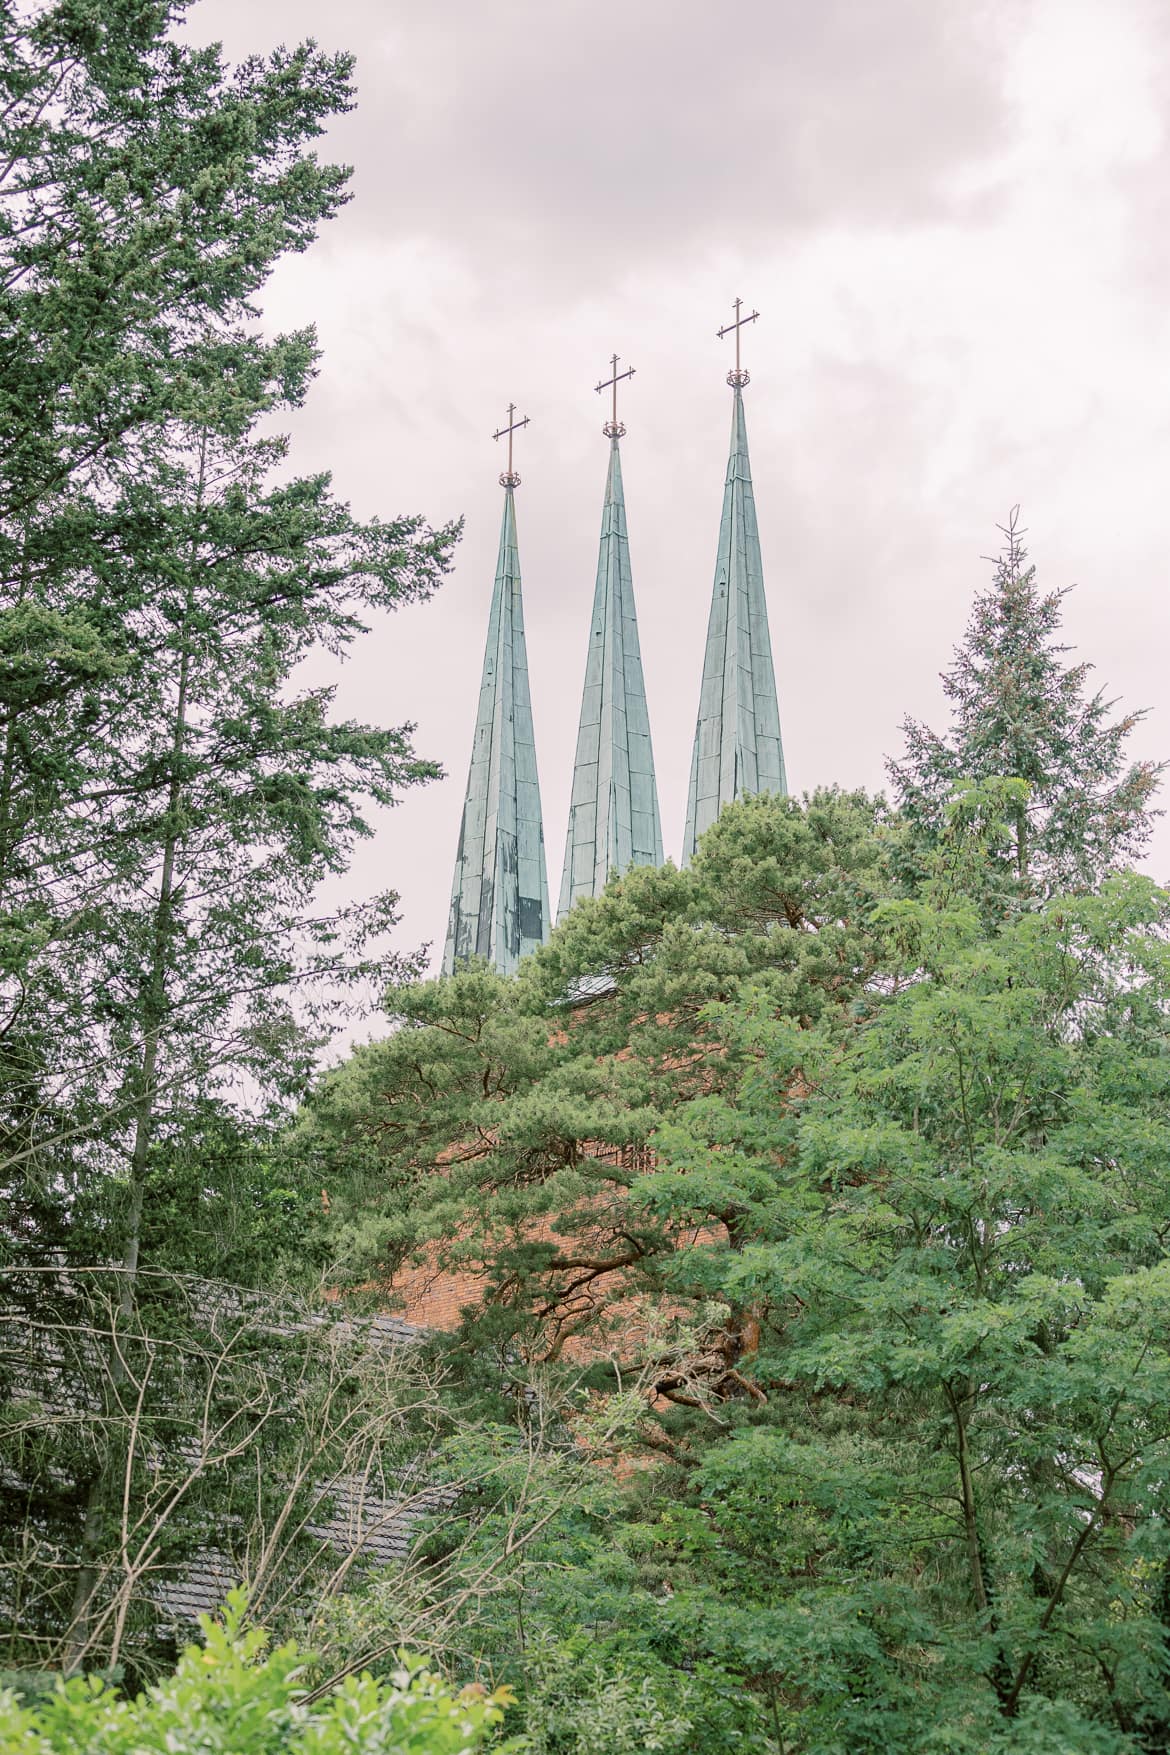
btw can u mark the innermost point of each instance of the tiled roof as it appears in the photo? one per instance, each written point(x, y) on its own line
point(362, 1516)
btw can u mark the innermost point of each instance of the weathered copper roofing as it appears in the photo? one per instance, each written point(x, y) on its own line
point(737, 734)
point(613, 816)
point(499, 898)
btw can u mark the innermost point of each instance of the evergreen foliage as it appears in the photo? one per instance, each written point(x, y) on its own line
point(1018, 712)
point(504, 1122)
point(169, 802)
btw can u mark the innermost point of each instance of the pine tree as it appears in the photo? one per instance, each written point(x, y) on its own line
point(1019, 712)
point(185, 978)
point(504, 1128)
point(156, 591)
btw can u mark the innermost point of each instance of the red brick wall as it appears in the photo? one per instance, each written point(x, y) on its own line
point(434, 1297)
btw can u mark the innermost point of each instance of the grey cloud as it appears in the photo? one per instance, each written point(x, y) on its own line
point(630, 126)
point(596, 132)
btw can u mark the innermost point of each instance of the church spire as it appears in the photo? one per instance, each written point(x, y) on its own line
point(613, 816)
point(499, 898)
point(737, 734)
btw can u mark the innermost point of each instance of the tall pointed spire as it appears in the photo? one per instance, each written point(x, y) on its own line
point(499, 897)
point(737, 734)
point(613, 817)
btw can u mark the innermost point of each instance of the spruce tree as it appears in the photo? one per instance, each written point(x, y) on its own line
point(1019, 711)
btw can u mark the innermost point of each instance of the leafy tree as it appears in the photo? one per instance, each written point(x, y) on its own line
point(538, 1573)
point(945, 1526)
point(1019, 711)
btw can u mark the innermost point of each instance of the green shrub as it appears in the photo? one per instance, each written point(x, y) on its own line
point(232, 1697)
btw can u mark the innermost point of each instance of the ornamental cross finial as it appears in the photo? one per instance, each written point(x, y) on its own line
point(510, 479)
point(737, 378)
point(613, 428)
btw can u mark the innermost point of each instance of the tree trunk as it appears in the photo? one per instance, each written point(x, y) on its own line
point(153, 1002)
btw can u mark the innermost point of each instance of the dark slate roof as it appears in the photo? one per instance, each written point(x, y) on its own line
point(373, 1520)
point(364, 1521)
point(379, 1530)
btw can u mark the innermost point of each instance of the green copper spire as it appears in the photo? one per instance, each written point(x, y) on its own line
point(613, 817)
point(499, 898)
point(737, 735)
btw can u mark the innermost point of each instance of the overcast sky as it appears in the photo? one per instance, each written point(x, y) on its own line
point(954, 219)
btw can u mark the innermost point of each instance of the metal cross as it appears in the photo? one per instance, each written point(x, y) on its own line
point(738, 378)
point(613, 428)
point(510, 479)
